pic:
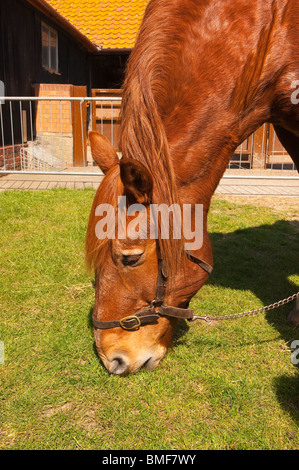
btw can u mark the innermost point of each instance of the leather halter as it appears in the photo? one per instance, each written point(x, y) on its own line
point(157, 308)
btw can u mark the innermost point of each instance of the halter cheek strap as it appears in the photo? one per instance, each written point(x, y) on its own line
point(157, 308)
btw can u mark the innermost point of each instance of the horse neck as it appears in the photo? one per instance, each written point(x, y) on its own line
point(199, 163)
point(199, 169)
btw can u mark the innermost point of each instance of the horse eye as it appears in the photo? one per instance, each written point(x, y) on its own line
point(130, 260)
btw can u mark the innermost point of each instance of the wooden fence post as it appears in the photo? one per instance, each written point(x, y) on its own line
point(79, 127)
point(259, 148)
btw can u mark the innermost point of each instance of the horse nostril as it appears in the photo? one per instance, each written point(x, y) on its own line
point(146, 362)
point(118, 365)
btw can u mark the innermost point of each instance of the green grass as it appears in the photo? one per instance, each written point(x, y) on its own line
point(225, 385)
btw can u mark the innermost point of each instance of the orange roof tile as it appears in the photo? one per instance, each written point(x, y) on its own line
point(108, 24)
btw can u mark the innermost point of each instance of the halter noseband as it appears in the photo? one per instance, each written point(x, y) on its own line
point(157, 308)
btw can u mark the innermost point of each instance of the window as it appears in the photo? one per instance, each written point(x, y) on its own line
point(49, 48)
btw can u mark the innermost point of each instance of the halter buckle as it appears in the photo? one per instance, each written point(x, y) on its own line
point(134, 322)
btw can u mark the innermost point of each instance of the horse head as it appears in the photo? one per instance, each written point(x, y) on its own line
point(137, 302)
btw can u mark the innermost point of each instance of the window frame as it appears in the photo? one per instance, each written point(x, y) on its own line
point(50, 31)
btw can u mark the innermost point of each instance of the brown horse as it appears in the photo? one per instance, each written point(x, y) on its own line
point(203, 76)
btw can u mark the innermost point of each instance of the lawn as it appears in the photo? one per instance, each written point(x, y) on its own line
point(224, 385)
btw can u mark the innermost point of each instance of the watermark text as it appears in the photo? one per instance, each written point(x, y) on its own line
point(295, 94)
point(295, 352)
point(157, 220)
point(1, 352)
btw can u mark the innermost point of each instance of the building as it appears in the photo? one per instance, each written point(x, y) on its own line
point(112, 26)
point(39, 45)
point(78, 48)
point(59, 48)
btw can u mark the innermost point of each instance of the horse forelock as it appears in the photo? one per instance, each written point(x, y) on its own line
point(96, 250)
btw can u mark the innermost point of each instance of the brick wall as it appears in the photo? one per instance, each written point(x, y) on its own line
point(54, 116)
point(10, 157)
point(57, 122)
point(54, 132)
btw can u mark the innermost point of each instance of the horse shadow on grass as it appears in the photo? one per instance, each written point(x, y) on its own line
point(263, 259)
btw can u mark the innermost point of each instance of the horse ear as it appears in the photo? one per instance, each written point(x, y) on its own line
point(102, 151)
point(137, 180)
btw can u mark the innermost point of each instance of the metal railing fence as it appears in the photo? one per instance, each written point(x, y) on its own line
point(50, 135)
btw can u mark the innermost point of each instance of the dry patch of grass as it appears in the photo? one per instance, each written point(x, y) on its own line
point(288, 207)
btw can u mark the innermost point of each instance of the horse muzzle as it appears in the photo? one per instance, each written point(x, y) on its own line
point(120, 362)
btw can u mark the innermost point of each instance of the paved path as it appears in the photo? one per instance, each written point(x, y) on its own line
point(229, 186)
point(35, 182)
point(259, 187)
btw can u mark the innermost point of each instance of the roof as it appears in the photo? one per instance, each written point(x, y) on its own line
point(108, 24)
point(54, 15)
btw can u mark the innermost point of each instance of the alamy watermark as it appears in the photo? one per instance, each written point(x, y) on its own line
point(1, 352)
point(2, 91)
point(295, 352)
point(295, 94)
point(134, 222)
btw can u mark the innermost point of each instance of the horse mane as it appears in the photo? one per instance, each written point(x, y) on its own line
point(254, 83)
point(96, 250)
point(149, 93)
point(142, 133)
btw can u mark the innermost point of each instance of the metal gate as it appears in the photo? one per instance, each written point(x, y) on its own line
point(262, 155)
point(50, 135)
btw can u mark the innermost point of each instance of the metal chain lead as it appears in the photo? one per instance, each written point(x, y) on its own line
point(249, 313)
